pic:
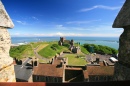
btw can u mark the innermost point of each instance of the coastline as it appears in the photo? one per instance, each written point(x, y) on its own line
point(106, 41)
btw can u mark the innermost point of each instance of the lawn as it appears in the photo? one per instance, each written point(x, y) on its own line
point(73, 60)
point(43, 61)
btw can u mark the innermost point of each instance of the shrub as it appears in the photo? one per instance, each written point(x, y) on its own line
point(101, 49)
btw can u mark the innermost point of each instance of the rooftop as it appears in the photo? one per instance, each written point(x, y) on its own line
point(101, 58)
point(22, 72)
point(100, 70)
point(48, 70)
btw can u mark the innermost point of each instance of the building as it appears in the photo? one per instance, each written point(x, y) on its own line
point(98, 73)
point(23, 71)
point(72, 48)
point(100, 69)
point(53, 72)
point(47, 73)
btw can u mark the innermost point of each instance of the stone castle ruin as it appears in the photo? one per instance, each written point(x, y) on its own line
point(7, 73)
point(122, 67)
point(73, 48)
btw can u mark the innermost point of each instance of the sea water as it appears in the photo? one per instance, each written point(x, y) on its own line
point(107, 41)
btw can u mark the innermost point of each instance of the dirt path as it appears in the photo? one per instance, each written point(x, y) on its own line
point(38, 48)
point(41, 46)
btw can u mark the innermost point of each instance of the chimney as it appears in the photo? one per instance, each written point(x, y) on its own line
point(35, 63)
point(61, 63)
point(97, 60)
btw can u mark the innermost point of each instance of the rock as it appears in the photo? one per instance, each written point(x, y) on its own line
point(122, 67)
point(7, 73)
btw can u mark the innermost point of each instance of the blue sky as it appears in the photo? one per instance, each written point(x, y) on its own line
point(89, 18)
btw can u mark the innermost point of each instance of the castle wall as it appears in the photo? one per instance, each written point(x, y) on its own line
point(122, 67)
point(6, 62)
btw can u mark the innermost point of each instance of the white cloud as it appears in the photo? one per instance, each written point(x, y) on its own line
point(35, 18)
point(101, 7)
point(59, 26)
point(94, 34)
point(60, 34)
point(82, 22)
point(21, 22)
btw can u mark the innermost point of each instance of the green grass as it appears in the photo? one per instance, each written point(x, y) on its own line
point(73, 60)
point(42, 61)
point(51, 50)
point(84, 50)
point(36, 44)
point(22, 51)
point(41, 46)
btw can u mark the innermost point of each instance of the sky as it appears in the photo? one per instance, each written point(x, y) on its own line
point(47, 18)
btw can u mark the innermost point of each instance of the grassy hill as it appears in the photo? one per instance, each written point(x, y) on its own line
point(21, 51)
point(51, 50)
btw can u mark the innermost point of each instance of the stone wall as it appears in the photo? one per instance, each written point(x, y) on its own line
point(6, 62)
point(122, 67)
point(7, 73)
point(121, 72)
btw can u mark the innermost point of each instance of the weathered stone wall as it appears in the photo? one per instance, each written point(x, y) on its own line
point(122, 67)
point(7, 73)
point(121, 72)
point(124, 47)
point(6, 62)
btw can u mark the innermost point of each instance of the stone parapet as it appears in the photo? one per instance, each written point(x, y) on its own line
point(121, 72)
point(7, 74)
point(123, 17)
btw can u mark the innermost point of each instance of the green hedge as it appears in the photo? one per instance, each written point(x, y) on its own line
point(101, 49)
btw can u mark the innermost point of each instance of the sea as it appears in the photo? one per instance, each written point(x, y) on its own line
point(107, 41)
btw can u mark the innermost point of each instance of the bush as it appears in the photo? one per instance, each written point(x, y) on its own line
point(101, 49)
point(85, 51)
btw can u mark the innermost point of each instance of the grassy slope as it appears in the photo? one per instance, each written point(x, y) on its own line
point(22, 51)
point(84, 50)
point(35, 44)
point(49, 52)
point(73, 60)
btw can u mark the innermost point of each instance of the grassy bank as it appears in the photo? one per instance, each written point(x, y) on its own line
point(51, 50)
point(21, 51)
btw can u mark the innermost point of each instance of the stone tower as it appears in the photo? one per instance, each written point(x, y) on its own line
point(7, 73)
point(122, 67)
